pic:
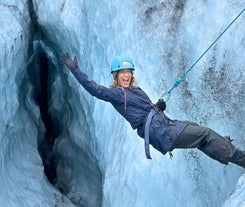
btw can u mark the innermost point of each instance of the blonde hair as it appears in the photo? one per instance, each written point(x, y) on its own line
point(115, 81)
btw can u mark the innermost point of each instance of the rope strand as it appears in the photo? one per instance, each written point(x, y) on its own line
point(181, 79)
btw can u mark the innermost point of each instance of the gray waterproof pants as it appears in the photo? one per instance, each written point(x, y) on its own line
point(211, 143)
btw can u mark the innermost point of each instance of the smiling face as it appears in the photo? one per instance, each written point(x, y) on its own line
point(124, 77)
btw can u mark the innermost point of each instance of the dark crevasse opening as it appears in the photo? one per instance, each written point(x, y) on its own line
point(38, 72)
point(52, 129)
point(57, 159)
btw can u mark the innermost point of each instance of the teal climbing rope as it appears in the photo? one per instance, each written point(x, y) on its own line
point(181, 79)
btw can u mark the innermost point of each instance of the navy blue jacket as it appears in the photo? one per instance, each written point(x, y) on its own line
point(134, 105)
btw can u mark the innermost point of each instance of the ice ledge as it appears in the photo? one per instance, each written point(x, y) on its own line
point(237, 198)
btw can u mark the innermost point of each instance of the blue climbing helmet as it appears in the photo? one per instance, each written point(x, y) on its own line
point(121, 62)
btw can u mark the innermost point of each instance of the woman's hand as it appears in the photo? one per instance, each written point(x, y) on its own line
point(161, 104)
point(71, 64)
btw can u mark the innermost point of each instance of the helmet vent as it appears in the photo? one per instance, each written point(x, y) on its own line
point(126, 63)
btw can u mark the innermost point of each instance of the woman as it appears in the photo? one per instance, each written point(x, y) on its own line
point(149, 119)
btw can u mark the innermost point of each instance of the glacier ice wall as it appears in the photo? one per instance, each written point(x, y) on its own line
point(62, 147)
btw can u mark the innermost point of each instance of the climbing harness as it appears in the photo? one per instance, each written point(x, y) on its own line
point(147, 133)
point(167, 94)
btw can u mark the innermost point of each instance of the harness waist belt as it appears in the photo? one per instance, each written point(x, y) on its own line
point(147, 133)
